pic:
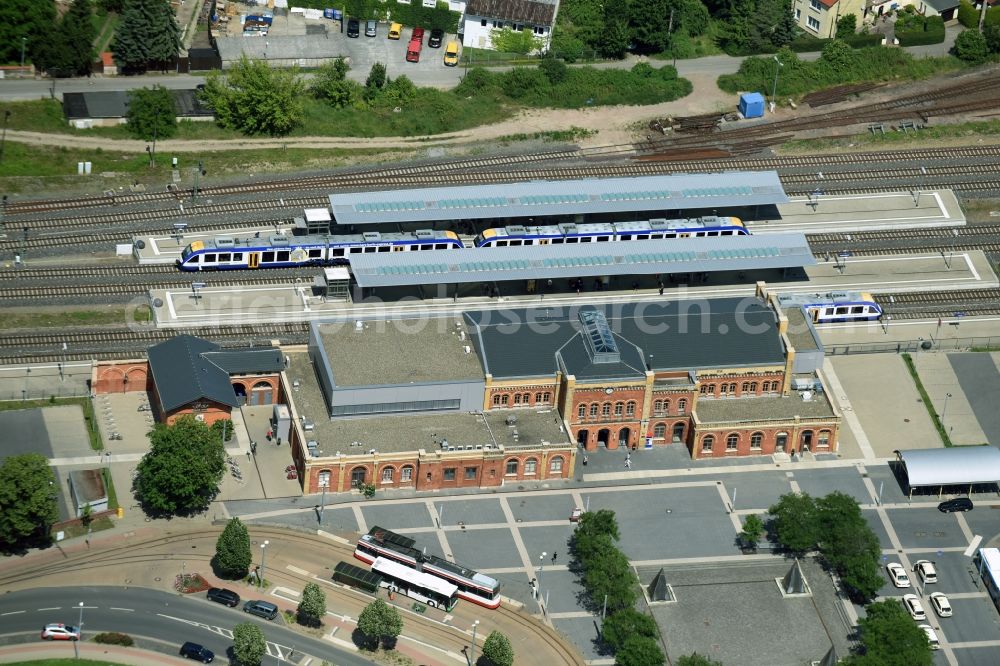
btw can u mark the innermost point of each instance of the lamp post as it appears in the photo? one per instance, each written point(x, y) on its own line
point(324, 481)
point(76, 648)
point(944, 410)
point(951, 252)
point(263, 550)
point(472, 657)
point(3, 141)
point(774, 88)
point(200, 172)
point(541, 565)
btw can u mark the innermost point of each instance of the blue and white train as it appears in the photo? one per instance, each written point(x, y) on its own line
point(834, 307)
point(557, 234)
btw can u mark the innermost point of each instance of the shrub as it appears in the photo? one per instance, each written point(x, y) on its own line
point(478, 82)
point(970, 46)
point(930, 32)
point(555, 70)
point(847, 24)
point(523, 82)
point(114, 638)
point(967, 14)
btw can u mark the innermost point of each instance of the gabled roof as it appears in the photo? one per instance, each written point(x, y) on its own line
point(522, 11)
point(114, 104)
point(183, 373)
point(248, 361)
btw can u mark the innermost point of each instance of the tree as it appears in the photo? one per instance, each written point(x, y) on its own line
point(147, 34)
point(380, 622)
point(847, 25)
point(152, 114)
point(27, 501)
point(796, 522)
point(182, 470)
point(376, 78)
point(639, 651)
point(232, 550)
point(256, 99)
point(312, 608)
point(249, 646)
point(649, 21)
point(890, 638)
point(753, 529)
point(695, 659)
point(79, 34)
point(608, 574)
point(992, 34)
point(555, 70)
point(625, 623)
point(330, 84)
point(970, 46)
point(508, 40)
point(27, 20)
point(615, 36)
point(598, 522)
point(497, 649)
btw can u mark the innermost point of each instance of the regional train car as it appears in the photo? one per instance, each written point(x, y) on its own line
point(280, 251)
point(381, 543)
point(834, 307)
point(702, 227)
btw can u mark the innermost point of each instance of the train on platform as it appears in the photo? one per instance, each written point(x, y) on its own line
point(834, 307)
point(284, 251)
point(472, 586)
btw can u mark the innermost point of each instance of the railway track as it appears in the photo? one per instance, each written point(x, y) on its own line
point(941, 304)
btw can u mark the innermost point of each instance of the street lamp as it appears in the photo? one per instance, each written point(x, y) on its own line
point(79, 626)
point(944, 410)
point(472, 658)
point(324, 482)
point(197, 174)
point(263, 550)
point(3, 141)
point(774, 89)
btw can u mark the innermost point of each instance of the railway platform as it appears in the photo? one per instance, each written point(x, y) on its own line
point(884, 211)
point(295, 302)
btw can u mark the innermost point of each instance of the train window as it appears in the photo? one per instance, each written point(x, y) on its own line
point(572, 239)
point(501, 243)
point(727, 233)
point(586, 239)
point(558, 241)
point(337, 252)
point(441, 246)
point(625, 237)
point(858, 309)
point(603, 239)
point(370, 249)
point(427, 247)
point(384, 248)
point(516, 243)
point(267, 257)
point(642, 237)
point(315, 253)
point(712, 233)
point(209, 258)
point(225, 256)
point(282, 255)
point(842, 311)
point(656, 236)
point(356, 250)
point(828, 311)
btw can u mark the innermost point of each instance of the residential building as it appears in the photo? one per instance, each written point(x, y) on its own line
point(819, 17)
point(482, 17)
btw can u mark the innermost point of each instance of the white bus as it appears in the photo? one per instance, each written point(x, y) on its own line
point(423, 587)
point(989, 570)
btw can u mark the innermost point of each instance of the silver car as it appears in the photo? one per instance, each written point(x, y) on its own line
point(371, 29)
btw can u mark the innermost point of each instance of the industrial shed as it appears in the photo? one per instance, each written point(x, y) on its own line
point(956, 466)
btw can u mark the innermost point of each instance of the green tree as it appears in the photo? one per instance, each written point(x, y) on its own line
point(312, 608)
point(115, 6)
point(890, 638)
point(753, 529)
point(330, 84)
point(523, 82)
point(508, 40)
point(86, 515)
point(375, 80)
point(598, 522)
point(992, 34)
point(148, 33)
point(625, 623)
point(608, 574)
point(182, 470)
point(27, 501)
point(695, 659)
point(639, 651)
point(970, 46)
point(498, 650)
point(249, 646)
point(555, 70)
point(380, 623)
point(400, 92)
point(796, 522)
point(76, 34)
point(256, 99)
point(152, 114)
point(847, 25)
point(615, 36)
point(232, 550)
point(862, 577)
point(27, 20)
point(650, 24)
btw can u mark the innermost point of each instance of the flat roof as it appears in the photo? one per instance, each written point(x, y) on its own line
point(770, 408)
point(538, 198)
point(412, 432)
point(958, 465)
point(411, 351)
point(663, 256)
point(799, 332)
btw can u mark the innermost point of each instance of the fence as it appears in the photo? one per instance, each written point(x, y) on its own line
point(914, 346)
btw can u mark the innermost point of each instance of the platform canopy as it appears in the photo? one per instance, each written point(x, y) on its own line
point(665, 256)
point(541, 198)
point(958, 465)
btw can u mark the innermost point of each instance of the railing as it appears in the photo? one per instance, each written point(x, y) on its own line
point(913, 346)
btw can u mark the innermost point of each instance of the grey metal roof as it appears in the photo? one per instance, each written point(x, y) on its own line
point(668, 335)
point(182, 373)
point(538, 198)
point(248, 361)
point(959, 465)
point(941, 5)
point(731, 253)
point(114, 104)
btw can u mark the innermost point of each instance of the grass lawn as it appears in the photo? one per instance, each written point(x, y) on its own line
point(61, 319)
point(85, 404)
point(926, 137)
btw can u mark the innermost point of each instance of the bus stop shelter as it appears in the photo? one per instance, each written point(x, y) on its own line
point(955, 466)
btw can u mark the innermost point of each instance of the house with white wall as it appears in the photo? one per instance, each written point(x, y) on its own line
point(483, 16)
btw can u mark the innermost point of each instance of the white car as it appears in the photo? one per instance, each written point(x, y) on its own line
point(931, 636)
point(60, 632)
point(926, 570)
point(897, 574)
point(941, 605)
point(913, 606)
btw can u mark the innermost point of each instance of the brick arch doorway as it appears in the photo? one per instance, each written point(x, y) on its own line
point(582, 437)
point(623, 437)
point(603, 437)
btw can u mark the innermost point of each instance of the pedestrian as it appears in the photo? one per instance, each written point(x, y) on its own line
point(554, 556)
point(661, 290)
point(585, 461)
point(628, 463)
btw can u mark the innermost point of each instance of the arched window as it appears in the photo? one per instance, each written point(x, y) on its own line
point(387, 473)
point(606, 409)
point(732, 388)
point(823, 439)
point(707, 442)
point(538, 397)
point(723, 389)
point(753, 387)
point(732, 441)
point(526, 399)
point(619, 407)
point(581, 411)
point(324, 479)
point(530, 466)
point(682, 405)
point(659, 430)
point(630, 408)
point(593, 409)
point(658, 406)
point(666, 406)
point(547, 397)
point(745, 387)
point(704, 389)
point(512, 466)
point(504, 399)
point(517, 398)
point(406, 474)
point(556, 465)
point(756, 440)
point(496, 398)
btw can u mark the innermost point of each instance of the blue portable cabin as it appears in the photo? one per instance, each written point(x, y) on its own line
point(752, 105)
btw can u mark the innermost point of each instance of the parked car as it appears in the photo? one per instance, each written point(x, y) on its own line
point(353, 27)
point(264, 609)
point(958, 504)
point(897, 574)
point(931, 636)
point(223, 596)
point(197, 652)
point(418, 35)
point(574, 517)
point(371, 28)
point(60, 632)
point(913, 606)
point(451, 54)
point(941, 604)
point(926, 571)
point(437, 34)
point(395, 30)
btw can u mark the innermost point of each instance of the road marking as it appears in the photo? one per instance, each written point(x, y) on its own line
point(53, 608)
point(12, 613)
point(130, 610)
point(976, 540)
point(301, 572)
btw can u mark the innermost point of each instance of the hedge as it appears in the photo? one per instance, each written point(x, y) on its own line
point(806, 44)
point(408, 13)
point(933, 33)
point(968, 15)
point(114, 638)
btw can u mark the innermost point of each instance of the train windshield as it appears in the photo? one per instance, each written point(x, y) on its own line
point(191, 249)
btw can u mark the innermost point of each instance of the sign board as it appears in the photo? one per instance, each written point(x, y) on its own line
point(429, 3)
point(123, 249)
point(959, 314)
point(846, 253)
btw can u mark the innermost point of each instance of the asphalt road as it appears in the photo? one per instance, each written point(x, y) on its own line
point(168, 618)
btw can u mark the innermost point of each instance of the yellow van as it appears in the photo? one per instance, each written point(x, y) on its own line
point(451, 54)
point(395, 30)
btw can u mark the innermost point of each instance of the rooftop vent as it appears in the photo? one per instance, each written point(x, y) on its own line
point(598, 337)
